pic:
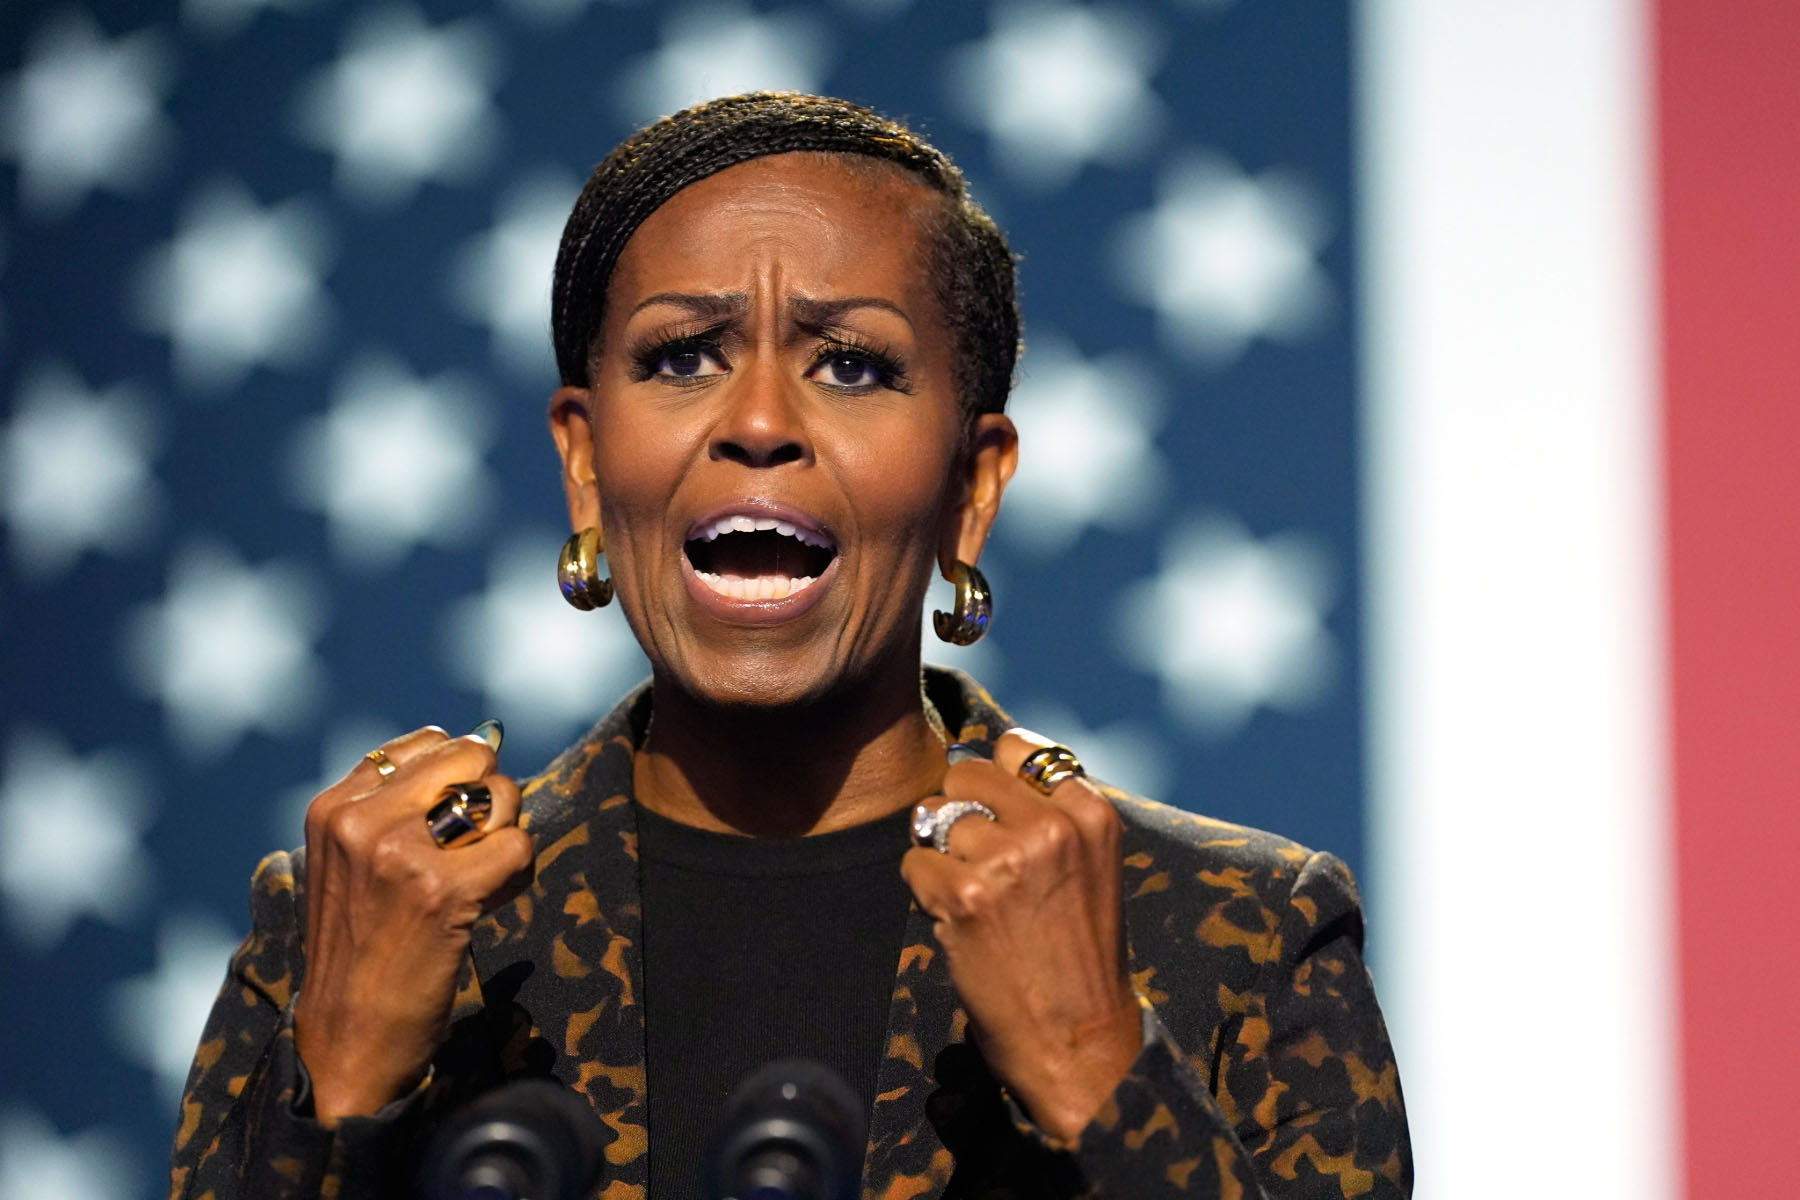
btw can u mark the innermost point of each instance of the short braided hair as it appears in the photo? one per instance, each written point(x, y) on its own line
point(970, 264)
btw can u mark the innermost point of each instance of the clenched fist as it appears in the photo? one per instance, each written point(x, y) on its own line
point(388, 914)
point(1030, 911)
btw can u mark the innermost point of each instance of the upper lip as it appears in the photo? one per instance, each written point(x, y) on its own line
point(806, 527)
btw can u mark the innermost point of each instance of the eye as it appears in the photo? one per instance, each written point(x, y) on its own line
point(847, 369)
point(688, 360)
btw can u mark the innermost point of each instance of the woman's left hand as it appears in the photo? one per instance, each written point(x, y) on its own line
point(1030, 913)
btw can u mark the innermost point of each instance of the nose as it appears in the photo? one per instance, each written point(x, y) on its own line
point(763, 424)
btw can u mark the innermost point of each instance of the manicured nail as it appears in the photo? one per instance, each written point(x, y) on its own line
point(490, 731)
point(958, 752)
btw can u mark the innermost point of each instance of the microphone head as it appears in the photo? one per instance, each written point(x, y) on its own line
point(532, 1139)
point(793, 1130)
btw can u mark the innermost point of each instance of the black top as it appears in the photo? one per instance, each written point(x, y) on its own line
point(757, 949)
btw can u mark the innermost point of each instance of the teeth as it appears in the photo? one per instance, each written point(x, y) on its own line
point(743, 524)
point(763, 587)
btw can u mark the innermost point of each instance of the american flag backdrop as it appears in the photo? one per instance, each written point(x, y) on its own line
point(1407, 421)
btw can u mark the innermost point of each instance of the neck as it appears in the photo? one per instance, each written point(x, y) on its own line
point(840, 761)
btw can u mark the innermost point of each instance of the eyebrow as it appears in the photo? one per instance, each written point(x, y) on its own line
point(814, 313)
point(826, 312)
point(723, 304)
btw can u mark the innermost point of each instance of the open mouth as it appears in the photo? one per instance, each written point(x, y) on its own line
point(758, 558)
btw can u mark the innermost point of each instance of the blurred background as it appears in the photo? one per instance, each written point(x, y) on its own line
point(1342, 507)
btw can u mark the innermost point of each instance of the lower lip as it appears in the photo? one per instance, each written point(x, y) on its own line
point(756, 612)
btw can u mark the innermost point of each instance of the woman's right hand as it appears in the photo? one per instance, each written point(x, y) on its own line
point(388, 915)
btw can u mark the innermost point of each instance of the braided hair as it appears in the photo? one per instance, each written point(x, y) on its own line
point(970, 265)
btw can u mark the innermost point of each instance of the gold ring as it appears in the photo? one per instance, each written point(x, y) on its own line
point(459, 814)
point(384, 766)
point(1048, 766)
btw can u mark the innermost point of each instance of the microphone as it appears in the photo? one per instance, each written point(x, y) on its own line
point(793, 1130)
point(533, 1139)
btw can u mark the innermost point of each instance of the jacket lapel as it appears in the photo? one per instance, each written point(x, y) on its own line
point(932, 1086)
point(905, 1156)
point(559, 969)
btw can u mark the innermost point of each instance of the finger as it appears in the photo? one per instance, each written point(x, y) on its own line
point(1013, 802)
point(400, 751)
point(1074, 819)
point(1013, 747)
point(495, 868)
point(505, 791)
point(403, 799)
point(954, 893)
point(934, 878)
point(1016, 745)
point(415, 786)
point(972, 835)
point(467, 811)
point(364, 777)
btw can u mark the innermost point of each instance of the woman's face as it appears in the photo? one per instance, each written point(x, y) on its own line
point(773, 445)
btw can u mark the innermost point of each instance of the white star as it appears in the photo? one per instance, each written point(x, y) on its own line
point(238, 286)
point(984, 659)
point(71, 842)
point(82, 113)
point(1086, 451)
point(229, 649)
point(223, 18)
point(75, 472)
point(1059, 85)
point(348, 739)
point(404, 103)
point(1232, 623)
point(501, 278)
point(396, 462)
point(543, 667)
point(721, 49)
point(1124, 753)
point(35, 1162)
point(158, 1018)
point(1224, 258)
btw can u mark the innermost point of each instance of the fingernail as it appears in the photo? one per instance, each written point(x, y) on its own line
point(959, 752)
point(490, 731)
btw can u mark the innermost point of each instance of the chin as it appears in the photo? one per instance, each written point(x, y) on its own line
point(789, 679)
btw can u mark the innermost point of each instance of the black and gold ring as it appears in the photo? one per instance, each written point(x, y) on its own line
point(459, 814)
point(1044, 768)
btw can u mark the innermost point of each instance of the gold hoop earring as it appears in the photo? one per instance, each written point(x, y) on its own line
point(974, 606)
point(578, 571)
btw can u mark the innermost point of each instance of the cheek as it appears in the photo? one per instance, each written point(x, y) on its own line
point(903, 488)
point(636, 468)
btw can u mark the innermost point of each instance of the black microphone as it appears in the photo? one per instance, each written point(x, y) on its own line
point(533, 1139)
point(793, 1130)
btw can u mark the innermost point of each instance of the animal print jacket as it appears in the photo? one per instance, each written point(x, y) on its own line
point(1265, 1072)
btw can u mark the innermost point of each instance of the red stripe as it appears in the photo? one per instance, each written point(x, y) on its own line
point(1729, 133)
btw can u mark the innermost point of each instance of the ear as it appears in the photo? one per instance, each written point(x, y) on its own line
point(572, 425)
point(991, 458)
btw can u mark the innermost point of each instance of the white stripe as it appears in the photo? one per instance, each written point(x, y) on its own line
point(1522, 929)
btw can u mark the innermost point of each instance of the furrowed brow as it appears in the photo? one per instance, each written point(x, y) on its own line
point(722, 304)
point(826, 313)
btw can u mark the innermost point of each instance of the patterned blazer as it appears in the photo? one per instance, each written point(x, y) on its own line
point(1265, 1071)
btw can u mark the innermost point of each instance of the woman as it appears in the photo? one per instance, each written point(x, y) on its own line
point(785, 336)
